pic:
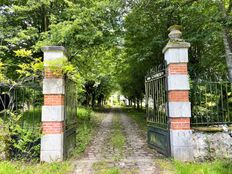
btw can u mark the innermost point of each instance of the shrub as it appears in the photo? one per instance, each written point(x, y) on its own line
point(20, 143)
point(84, 128)
point(83, 114)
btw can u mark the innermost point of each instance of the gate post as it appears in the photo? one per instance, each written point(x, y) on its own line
point(53, 108)
point(179, 107)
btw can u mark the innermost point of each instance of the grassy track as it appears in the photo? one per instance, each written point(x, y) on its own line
point(117, 138)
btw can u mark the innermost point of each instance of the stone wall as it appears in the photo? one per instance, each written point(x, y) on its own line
point(211, 145)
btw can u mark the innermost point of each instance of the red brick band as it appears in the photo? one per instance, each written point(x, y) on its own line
point(180, 123)
point(53, 100)
point(52, 74)
point(178, 96)
point(53, 127)
point(180, 68)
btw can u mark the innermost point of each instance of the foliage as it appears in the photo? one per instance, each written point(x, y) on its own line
point(21, 143)
point(31, 118)
point(84, 114)
point(87, 124)
point(111, 41)
point(216, 167)
point(9, 167)
point(87, 29)
point(146, 33)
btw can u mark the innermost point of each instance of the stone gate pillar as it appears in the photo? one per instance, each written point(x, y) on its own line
point(53, 109)
point(176, 56)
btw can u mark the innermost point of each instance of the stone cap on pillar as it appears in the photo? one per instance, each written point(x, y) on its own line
point(54, 48)
point(175, 40)
point(53, 53)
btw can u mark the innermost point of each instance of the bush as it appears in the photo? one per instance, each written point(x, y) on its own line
point(20, 143)
point(83, 114)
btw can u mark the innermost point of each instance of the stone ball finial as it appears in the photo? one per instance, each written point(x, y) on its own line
point(175, 33)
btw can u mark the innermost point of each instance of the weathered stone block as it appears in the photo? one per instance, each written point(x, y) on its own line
point(51, 156)
point(51, 147)
point(52, 142)
point(178, 82)
point(179, 109)
point(52, 53)
point(182, 153)
point(181, 138)
point(176, 55)
point(53, 86)
point(52, 113)
point(181, 145)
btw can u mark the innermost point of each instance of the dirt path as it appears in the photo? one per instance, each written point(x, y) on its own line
point(134, 157)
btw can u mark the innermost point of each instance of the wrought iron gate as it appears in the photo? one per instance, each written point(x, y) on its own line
point(157, 111)
point(70, 116)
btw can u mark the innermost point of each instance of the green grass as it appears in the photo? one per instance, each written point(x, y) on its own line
point(88, 122)
point(215, 167)
point(84, 114)
point(102, 167)
point(7, 167)
point(117, 138)
point(139, 116)
point(109, 171)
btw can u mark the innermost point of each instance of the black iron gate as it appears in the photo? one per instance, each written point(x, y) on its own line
point(157, 111)
point(70, 125)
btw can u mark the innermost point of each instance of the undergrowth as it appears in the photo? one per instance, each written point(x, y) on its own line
point(9, 167)
point(214, 167)
point(88, 122)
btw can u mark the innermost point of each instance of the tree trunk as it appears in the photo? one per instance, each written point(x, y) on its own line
point(93, 100)
point(137, 100)
point(87, 99)
point(227, 39)
point(228, 53)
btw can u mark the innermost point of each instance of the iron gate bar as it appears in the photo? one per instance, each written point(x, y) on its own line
point(70, 116)
point(158, 133)
point(211, 101)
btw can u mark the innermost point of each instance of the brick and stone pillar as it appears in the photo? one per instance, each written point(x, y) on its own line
point(176, 56)
point(53, 109)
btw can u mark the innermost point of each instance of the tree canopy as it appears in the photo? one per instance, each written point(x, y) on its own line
point(112, 43)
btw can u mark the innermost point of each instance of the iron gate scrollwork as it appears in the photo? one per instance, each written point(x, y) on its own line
point(70, 125)
point(157, 111)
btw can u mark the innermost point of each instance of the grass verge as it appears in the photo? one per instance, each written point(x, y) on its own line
point(88, 122)
point(7, 167)
point(139, 116)
point(215, 167)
